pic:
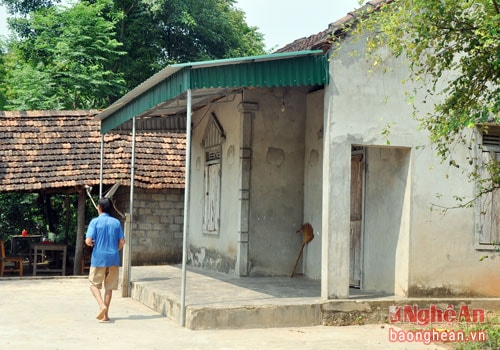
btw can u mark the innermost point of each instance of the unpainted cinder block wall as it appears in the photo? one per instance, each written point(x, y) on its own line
point(157, 225)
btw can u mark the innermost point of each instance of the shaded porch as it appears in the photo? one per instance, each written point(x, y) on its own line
point(221, 301)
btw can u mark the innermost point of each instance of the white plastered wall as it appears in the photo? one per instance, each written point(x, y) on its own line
point(277, 179)
point(216, 251)
point(410, 247)
point(313, 184)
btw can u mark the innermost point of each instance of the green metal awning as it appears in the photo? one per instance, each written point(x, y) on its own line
point(165, 92)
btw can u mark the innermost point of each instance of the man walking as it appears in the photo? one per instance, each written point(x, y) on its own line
point(105, 235)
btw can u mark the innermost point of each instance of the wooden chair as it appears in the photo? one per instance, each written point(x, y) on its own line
point(86, 256)
point(15, 263)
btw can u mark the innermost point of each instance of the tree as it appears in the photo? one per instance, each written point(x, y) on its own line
point(203, 30)
point(140, 39)
point(461, 37)
point(24, 7)
point(41, 213)
point(18, 213)
point(163, 32)
point(153, 34)
point(3, 99)
point(64, 58)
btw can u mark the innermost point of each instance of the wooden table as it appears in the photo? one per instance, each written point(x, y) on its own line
point(19, 245)
point(41, 248)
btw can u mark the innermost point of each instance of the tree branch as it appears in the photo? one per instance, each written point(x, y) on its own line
point(497, 6)
point(470, 202)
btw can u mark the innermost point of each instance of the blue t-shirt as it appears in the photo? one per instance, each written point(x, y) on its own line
point(106, 231)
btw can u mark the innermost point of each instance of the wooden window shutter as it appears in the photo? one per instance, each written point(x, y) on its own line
point(212, 200)
point(212, 141)
point(489, 209)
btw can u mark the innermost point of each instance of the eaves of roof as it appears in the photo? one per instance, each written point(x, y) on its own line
point(164, 93)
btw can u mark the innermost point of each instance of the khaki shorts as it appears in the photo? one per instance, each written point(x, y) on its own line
point(108, 275)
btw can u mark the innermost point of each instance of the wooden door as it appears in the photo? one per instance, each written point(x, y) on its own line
point(212, 200)
point(356, 219)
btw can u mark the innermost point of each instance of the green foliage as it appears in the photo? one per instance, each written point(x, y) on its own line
point(453, 51)
point(64, 58)
point(23, 93)
point(40, 214)
point(181, 31)
point(492, 329)
point(88, 55)
point(18, 213)
point(202, 30)
point(140, 41)
point(3, 99)
point(24, 7)
point(386, 132)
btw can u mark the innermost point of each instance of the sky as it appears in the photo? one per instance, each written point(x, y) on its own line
point(281, 21)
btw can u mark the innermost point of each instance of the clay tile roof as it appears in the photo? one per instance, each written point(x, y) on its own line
point(49, 150)
point(308, 43)
point(322, 40)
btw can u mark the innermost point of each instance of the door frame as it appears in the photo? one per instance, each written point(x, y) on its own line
point(355, 151)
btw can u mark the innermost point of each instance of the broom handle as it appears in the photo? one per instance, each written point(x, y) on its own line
point(298, 258)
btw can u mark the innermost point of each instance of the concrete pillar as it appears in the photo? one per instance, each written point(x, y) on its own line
point(335, 256)
point(247, 113)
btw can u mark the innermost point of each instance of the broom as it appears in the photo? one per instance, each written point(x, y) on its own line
point(307, 236)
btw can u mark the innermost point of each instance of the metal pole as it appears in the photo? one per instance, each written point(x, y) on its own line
point(131, 206)
point(101, 169)
point(186, 208)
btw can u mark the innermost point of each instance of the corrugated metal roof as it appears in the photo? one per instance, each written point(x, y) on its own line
point(297, 71)
point(165, 91)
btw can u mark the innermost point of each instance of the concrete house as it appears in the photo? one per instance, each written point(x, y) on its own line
point(278, 140)
point(383, 229)
point(248, 151)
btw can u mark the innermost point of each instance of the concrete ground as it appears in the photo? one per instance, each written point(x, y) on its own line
point(59, 313)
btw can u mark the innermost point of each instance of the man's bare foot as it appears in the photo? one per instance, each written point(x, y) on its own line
point(102, 314)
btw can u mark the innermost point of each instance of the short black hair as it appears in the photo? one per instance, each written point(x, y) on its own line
point(105, 204)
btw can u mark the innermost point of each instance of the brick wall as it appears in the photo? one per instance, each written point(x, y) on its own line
point(157, 224)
